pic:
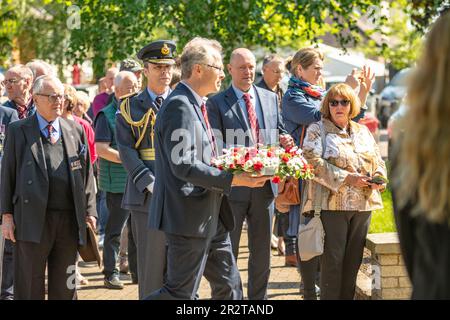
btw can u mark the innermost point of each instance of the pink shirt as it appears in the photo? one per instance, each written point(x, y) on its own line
point(99, 102)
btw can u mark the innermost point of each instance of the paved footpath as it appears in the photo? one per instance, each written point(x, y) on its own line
point(283, 284)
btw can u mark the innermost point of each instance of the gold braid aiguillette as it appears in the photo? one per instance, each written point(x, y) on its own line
point(140, 125)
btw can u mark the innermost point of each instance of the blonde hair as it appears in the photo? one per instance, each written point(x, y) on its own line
point(425, 149)
point(304, 57)
point(71, 96)
point(345, 91)
point(83, 98)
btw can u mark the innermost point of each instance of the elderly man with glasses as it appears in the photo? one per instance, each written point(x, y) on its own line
point(18, 82)
point(47, 195)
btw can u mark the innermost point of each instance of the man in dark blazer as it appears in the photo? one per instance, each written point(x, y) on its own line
point(135, 139)
point(7, 116)
point(251, 115)
point(188, 190)
point(47, 195)
point(18, 82)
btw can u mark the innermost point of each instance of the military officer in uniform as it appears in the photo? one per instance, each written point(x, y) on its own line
point(135, 139)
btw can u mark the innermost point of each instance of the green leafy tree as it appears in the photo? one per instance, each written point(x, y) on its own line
point(106, 31)
point(8, 27)
point(403, 32)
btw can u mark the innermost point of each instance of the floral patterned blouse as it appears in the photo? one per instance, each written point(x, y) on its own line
point(351, 150)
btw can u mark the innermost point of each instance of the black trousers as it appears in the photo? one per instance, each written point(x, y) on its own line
point(258, 211)
point(7, 289)
point(114, 225)
point(188, 258)
point(345, 236)
point(57, 249)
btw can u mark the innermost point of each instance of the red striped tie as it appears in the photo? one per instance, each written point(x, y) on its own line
point(51, 137)
point(208, 129)
point(254, 125)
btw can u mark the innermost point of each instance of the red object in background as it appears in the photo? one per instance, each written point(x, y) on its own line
point(370, 122)
point(76, 74)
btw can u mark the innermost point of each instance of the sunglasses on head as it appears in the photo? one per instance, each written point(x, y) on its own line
point(335, 103)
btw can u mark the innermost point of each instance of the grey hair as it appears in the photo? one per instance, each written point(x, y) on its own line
point(272, 57)
point(38, 84)
point(83, 97)
point(122, 75)
point(197, 51)
point(36, 63)
point(24, 71)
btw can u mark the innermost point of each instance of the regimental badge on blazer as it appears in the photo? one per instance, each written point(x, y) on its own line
point(75, 165)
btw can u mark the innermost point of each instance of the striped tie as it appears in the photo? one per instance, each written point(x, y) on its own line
point(51, 138)
point(253, 119)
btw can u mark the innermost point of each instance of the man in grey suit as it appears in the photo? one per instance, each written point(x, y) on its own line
point(247, 115)
point(47, 195)
point(188, 190)
point(135, 139)
point(7, 115)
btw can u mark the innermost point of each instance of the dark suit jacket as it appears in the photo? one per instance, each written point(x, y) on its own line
point(225, 113)
point(279, 92)
point(188, 191)
point(7, 115)
point(12, 105)
point(24, 179)
point(140, 172)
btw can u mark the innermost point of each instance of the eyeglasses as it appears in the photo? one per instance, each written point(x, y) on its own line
point(215, 67)
point(11, 81)
point(53, 98)
point(335, 103)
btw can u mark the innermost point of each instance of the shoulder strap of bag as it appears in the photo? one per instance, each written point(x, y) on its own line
point(318, 191)
point(302, 136)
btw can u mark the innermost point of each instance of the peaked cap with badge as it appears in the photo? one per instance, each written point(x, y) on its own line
point(158, 52)
point(135, 131)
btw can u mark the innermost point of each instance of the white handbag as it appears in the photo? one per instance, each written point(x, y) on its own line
point(311, 236)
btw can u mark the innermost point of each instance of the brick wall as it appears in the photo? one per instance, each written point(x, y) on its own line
point(389, 277)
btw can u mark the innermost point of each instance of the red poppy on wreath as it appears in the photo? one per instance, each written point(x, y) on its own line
point(258, 166)
point(276, 179)
point(285, 159)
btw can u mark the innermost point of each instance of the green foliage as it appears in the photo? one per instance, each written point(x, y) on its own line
point(383, 220)
point(111, 30)
point(405, 41)
point(8, 27)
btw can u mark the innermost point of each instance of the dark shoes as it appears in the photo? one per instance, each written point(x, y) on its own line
point(310, 294)
point(134, 278)
point(291, 261)
point(113, 282)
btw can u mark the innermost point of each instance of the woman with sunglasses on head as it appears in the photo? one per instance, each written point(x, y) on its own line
point(301, 107)
point(351, 173)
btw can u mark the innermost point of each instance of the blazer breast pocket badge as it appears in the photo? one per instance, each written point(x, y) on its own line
point(83, 151)
point(75, 165)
